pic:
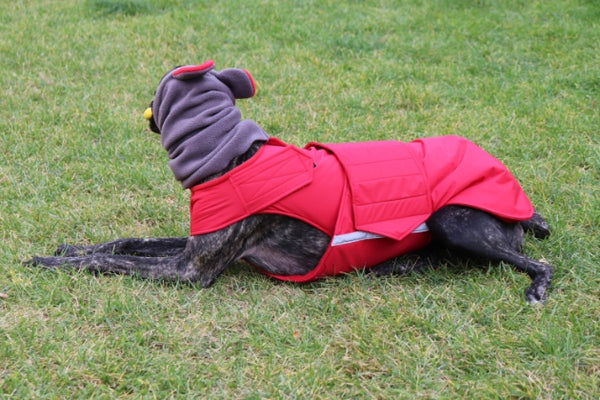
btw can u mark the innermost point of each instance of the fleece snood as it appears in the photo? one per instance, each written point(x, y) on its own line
point(201, 128)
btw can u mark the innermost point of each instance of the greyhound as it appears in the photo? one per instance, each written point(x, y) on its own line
point(301, 214)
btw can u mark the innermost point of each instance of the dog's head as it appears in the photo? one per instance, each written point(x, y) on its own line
point(194, 112)
point(187, 86)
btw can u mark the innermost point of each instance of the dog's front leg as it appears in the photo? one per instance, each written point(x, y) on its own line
point(180, 268)
point(202, 260)
point(149, 247)
point(210, 254)
point(169, 268)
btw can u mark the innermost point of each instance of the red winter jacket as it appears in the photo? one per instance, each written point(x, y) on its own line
point(371, 198)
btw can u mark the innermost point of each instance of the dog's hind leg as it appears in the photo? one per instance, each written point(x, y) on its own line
point(483, 235)
point(416, 261)
point(151, 247)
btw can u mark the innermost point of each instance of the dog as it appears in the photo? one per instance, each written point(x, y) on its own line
point(301, 214)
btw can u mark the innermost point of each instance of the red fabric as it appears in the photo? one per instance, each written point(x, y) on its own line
point(207, 65)
point(275, 172)
point(384, 188)
point(251, 82)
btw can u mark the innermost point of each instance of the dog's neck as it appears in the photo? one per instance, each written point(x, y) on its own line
point(236, 161)
point(198, 154)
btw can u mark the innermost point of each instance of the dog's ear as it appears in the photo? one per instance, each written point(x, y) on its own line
point(239, 81)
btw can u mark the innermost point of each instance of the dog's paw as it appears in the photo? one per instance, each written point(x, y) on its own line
point(43, 262)
point(535, 294)
point(534, 299)
point(32, 262)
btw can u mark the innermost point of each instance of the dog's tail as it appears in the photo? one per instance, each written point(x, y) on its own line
point(536, 225)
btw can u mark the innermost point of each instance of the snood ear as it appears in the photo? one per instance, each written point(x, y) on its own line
point(192, 71)
point(239, 81)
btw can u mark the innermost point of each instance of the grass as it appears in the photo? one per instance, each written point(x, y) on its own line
point(519, 78)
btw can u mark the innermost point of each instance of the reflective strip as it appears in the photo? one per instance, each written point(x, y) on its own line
point(421, 228)
point(358, 236)
point(352, 237)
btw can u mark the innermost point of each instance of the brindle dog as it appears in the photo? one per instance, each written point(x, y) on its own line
point(286, 246)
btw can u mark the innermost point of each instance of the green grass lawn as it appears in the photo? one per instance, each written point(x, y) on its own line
point(520, 78)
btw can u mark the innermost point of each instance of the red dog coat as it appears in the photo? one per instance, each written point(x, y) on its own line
point(371, 198)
